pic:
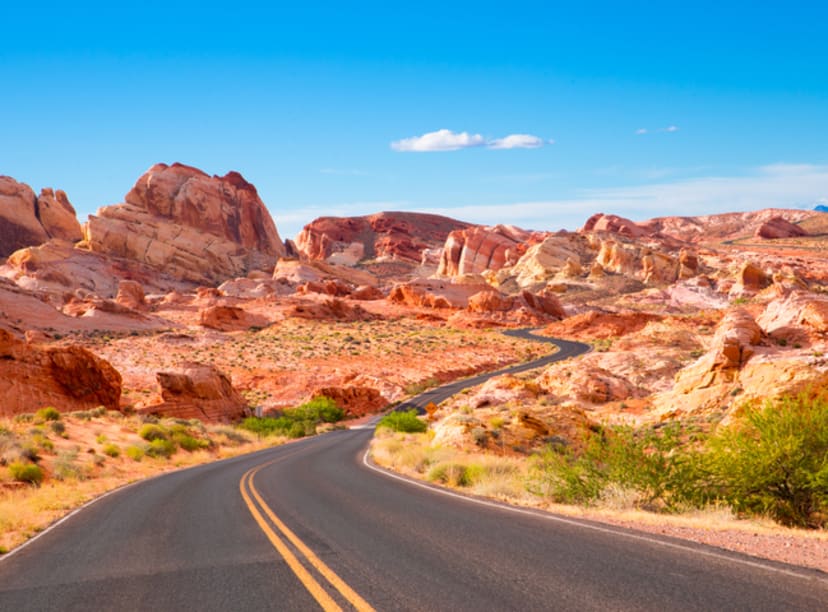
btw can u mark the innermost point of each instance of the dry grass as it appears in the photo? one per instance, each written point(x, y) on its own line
point(78, 468)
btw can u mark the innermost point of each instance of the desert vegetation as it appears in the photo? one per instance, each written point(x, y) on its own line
point(771, 461)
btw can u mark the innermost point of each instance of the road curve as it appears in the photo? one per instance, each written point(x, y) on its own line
point(206, 538)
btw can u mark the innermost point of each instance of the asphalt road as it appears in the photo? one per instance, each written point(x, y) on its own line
point(208, 538)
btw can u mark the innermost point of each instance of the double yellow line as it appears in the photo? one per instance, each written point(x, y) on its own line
point(259, 509)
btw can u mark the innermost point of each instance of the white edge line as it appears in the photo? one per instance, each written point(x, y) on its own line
point(584, 525)
point(79, 509)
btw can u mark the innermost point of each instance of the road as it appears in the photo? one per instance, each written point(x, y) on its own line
point(309, 525)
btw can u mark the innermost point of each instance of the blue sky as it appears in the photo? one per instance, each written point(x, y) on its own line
point(631, 108)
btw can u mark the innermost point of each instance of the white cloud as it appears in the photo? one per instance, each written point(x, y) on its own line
point(446, 140)
point(516, 141)
point(669, 129)
point(773, 186)
point(441, 140)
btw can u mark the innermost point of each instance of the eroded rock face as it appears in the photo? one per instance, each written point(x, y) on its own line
point(779, 227)
point(190, 225)
point(229, 318)
point(56, 268)
point(68, 378)
point(356, 401)
point(392, 235)
point(131, 295)
point(731, 347)
point(476, 249)
point(198, 391)
point(29, 220)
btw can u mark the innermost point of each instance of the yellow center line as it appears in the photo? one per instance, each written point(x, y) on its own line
point(315, 589)
point(304, 576)
point(347, 592)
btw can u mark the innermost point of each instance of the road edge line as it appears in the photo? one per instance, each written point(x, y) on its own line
point(541, 514)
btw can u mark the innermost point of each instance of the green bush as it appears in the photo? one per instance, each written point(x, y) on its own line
point(160, 448)
point(774, 461)
point(151, 432)
point(406, 422)
point(47, 414)
point(296, 422)
point(111, 450)
point(136, 453)
point(319, 410)
point(58, 427)
point(26, 472)
point(189, 443)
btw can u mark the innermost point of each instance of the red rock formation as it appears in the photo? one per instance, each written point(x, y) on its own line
point(490, 301)
point(198, 391)
point(190, 225)
point(613, 224)
point(229, 318)
point(779, 227)
point(329, 287)
point(68, 378)
point(367, 293)
point(595, 324)
point(397, 235)
point(436, 293)
point(331, 310)
point(355, 401)
point(726, 226)
point(476, 249)
point(131, 295)
point(29, 220)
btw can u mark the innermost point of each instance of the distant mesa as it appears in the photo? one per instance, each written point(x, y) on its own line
point(387, 235)
point(194, 227)
point(30, 220)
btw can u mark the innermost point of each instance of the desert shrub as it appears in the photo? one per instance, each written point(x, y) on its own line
point(151, 432)
point(232, 436)
point(83, 415)
point(47, 414)
point(296, 422)
point(658, 465)
point(58, 427)
point(774, 461)
point(98, 412)
point(189, 443)
point(66, 466)
point(319, 410)
point(453, 474)
point(136, 453)
point(160, 448)
point(24, 417)
point(406, 422)
point(26, 472)
point(111, 450)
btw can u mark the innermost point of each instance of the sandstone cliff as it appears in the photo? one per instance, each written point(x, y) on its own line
point(192, 226)
point(29, 220)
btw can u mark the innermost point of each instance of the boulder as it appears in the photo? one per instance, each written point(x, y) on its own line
point(229, 318)
point(28, 220)
point(779, 227)
point(356, 401)
point(131, 295)
point(192, 226)
point(198, 391)
point(66, 378)
point(333, 309)
point(613, 224)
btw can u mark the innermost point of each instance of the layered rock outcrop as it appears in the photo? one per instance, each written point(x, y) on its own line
point(476, 249)
point(30, 220)
point(198, 391)
point(613, 224)
point(192, 226)
point(67, 379)
point(389, 235)
point(356, 401)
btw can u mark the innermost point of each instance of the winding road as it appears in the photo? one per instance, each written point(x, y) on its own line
point(313, 524)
